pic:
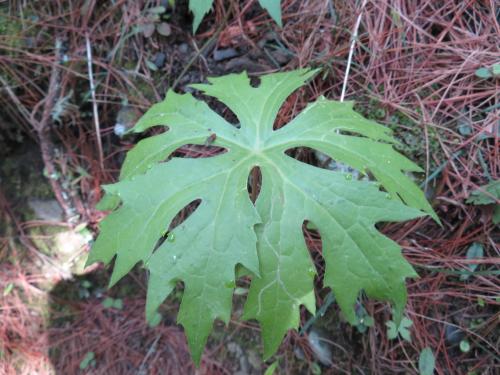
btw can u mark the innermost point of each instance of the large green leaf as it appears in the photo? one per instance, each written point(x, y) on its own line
point(227, 230)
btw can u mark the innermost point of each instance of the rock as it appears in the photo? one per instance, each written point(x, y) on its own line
point(224, 54)
point(159, 59)
point(49, 210)
point(281, 57)
point(183, 48)
point(239, 354)
point(66, 249)
point(164, 29)
point(239, 64)
point(148, 29)
point(299, 353)
point(453, 334)
point(125, 119)
point(70, 242)
point(269, 36)
point(119, 129)
point(321, 347)
point(254, 360)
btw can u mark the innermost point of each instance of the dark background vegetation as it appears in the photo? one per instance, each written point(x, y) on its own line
point(415, 69)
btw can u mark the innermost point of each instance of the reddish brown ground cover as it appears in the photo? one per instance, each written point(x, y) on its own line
point(414, 69)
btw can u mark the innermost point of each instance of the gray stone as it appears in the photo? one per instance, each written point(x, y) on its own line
point(49, 210)
point(183, 48)
point(453, 334)
point(224, 54)
point(159, 59)
point(321, 347)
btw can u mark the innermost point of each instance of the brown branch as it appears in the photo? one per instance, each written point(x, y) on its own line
point(67, 200)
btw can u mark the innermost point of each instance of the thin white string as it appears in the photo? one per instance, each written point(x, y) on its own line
point(94, 102)
point(351, 50)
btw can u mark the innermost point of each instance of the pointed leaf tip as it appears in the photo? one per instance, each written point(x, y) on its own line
point(199, 9)
point(274, 9)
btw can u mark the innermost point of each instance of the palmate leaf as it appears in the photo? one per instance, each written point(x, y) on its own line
point(227, 229)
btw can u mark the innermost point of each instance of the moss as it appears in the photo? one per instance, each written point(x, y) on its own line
point(12, 28)
point(18, 32)
point(142, 88)
point(408, 132)
point(22, 177)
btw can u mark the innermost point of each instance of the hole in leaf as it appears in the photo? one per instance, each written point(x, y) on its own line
point(314, 244)
point(183, 214)
point(289, 109)
point(155, 130)
point(220, 108)
point(254, 81)
point(152, 131)
point(178, 219)
point(192, 151)
point(318, 159)
point(303, 154)
point(254, 183)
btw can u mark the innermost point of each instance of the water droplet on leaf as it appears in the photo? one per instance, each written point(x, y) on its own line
point(311, 271)
point(388, 196)
point(348, 176)
point(171, 237)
